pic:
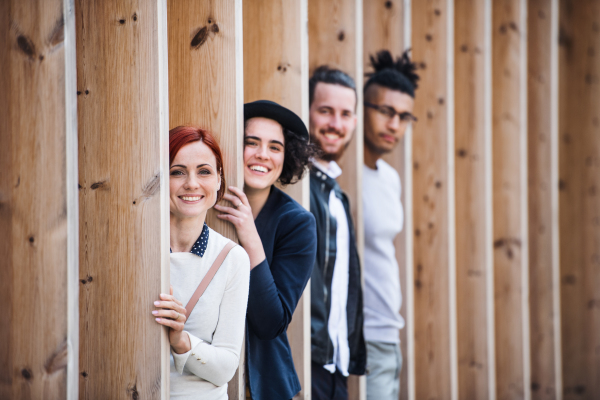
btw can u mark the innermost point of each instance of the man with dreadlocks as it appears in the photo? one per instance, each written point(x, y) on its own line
point(389, 100)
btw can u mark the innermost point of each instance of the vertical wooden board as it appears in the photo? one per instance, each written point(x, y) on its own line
point(38, 209)
point(335, 39)
point(579, 168)
point(509, 35)
point(123, 253)
point(542, 122)
point(206, 90)
point(433, 183)
point(383, 28)
point(205, 79)
point(276, 68)
point(474, 267)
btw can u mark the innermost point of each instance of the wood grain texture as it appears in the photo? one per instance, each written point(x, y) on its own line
point(542, 122)
point(384, 28)
point(579, 186)
point(474, 251)
point(509, 90)
point(276, 69)
point(38, 201)
point(206, 89)
point(433, 183)
point(123, 253)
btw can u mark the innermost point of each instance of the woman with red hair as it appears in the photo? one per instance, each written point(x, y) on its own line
point(205, 336)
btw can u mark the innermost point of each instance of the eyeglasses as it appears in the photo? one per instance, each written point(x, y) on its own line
point(389, 112)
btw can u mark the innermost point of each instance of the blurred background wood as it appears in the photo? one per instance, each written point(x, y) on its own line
point(579, 188)
point(123, 249)
point(38, 201)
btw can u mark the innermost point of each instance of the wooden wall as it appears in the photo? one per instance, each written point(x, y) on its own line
point(501, 177)
point(38, 201)
point(123, 166)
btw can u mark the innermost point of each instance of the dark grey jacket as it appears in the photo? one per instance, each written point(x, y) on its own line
point(322, 347)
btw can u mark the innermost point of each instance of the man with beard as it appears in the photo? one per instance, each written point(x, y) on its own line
point(389, 101)
point(338, 347)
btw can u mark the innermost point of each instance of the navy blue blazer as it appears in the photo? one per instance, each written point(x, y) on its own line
point(289, 238)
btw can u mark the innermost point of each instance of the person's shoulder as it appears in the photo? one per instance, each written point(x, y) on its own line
point(287, 205)
point(387, 169)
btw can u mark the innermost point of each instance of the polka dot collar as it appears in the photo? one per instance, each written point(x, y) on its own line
point(200, 246)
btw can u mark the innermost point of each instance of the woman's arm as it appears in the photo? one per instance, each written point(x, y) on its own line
point(217, 362)
point(276, 289)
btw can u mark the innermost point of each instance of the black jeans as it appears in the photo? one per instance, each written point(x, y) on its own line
point(328, 386)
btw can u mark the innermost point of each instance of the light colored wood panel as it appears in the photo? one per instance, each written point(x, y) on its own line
point(206, 89)
point(473, 173)
point(123, 253)
point(509, 52)
point(433, 202)
point(579, 169)
point(542, 110)
point(276, 68)
point(384, 25)
point(38, 201)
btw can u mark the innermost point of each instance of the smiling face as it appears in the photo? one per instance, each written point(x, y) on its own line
point(264, 152)
point(332, 119)
point(381, 132)
point(194, 181)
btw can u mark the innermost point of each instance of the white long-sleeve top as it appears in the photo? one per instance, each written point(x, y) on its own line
point(215, 326)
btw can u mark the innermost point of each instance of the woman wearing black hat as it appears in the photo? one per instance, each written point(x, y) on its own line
point(279, 236)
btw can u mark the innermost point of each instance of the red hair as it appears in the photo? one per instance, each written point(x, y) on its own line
point(182, 135)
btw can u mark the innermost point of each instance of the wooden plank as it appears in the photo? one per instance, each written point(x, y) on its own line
point(335, 38)
point(122, 166)
point(542, 110)
point(206, 89)
point(579, 167)
point(433, 197)
point(474, 250)
point(384, 26)
point(276, 68)
point(509, 60)
point(38, 201)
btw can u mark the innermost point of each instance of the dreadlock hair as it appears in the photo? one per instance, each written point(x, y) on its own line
point(329, 75)
point(396, 75)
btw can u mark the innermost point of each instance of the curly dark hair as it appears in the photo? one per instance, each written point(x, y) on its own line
point(298, 153)
point(396, 75)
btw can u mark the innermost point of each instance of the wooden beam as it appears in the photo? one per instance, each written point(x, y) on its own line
point(511, 275)
point(474, 250)
point(206, 89)
point(335, 38)
point(542, 111)
point(433, 201)
point(385, 26)
point(123, 172)
point(276, 68)
point(579, 185)
point(38, 201)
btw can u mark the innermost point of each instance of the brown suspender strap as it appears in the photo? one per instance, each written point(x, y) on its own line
point(208, 278)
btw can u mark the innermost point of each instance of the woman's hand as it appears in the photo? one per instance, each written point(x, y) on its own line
point(171, 313)
point(242, 219)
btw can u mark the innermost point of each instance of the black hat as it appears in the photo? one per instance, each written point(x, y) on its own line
point(271, 110)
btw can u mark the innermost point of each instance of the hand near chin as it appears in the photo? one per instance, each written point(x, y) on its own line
point(242, 219)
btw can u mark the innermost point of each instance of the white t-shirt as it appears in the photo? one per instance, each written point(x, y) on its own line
point(383, 220)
